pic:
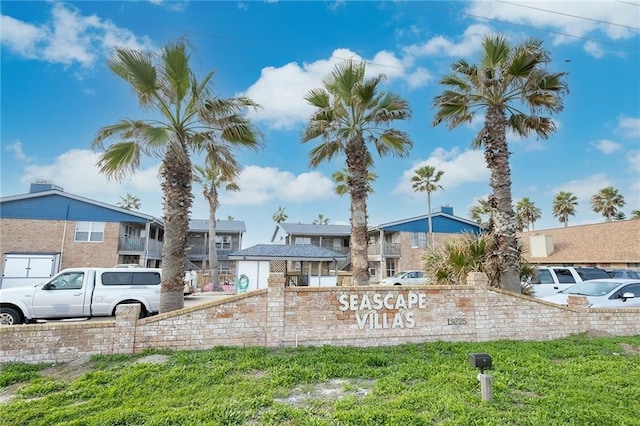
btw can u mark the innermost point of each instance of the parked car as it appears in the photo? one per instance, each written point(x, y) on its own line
point(603, 293)
point(82, 293)
point(549, 280)
point(624, 273)
point(406, 278)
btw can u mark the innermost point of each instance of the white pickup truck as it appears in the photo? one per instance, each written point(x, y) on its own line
point(82, 293)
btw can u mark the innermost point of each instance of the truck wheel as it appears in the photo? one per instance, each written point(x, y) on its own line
point(10, 316)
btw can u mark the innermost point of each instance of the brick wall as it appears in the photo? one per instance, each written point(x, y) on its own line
point(288, 316)
point(45, 236)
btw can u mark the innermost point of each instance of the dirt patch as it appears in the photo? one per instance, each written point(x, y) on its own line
point(69, 371)
point(327, 391)
point(629, 350)
point(153, 359)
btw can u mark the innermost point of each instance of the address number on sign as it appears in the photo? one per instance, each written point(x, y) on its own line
point(456, 321)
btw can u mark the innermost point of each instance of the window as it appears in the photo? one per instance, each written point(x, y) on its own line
point(303, 240)
point(223, 266)
point(391, 268)
point(68, 281)
point(419, 239)
point(223, 242)
point(372, 269)
point(89, 231)
point(631, 288)
point(564, 276)
point(131, 278)
point(543, 276)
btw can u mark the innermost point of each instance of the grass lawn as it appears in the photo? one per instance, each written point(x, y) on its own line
point(573, 381)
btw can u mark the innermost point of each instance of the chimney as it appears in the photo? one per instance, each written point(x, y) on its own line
point(447, 210)
point(41, 185)
point(541, 245)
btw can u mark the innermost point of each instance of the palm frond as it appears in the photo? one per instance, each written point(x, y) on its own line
point(120, 160)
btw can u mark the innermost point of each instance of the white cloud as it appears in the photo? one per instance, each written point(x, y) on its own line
point(606, 146)
point(458, 167)
point(281, 90)
point(259, 185)
point(68, 38)
point(419, 78)
point(76, 172)
point(18, 153)
point(585, 188)
point(594, 49)
point(469, 43)
point(20, 37)
point(575, 20)
point(628, 127)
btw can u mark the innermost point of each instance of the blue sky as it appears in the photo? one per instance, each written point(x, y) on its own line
point(57, 92)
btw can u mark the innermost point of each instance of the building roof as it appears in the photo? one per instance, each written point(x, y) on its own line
point(18, 213)
point(434, 216)
point(311, 229)
point(227, 226)
point(610, 242)
point(301, 252)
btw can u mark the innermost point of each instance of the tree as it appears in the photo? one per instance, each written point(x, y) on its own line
point(527, 213)
point(506, 82)
point(340, 178)
point(620, 216)
point(211, 179)
point(426, 179)
point(187, 118)
point(480, 212)
point(229, 217)
point(351, 115)
point(321, 220)
point(129, 202)
point(458, 256)
point(635, 214)
point(280, 216)
point(564, 205)
point(607, 201)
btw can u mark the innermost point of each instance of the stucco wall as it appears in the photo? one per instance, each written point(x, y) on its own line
point(279, 316)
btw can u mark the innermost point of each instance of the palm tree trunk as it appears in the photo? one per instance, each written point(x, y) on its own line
point(213, 252)
point(433, 245)
point(504, 224)
point(357, 181)
point(176, 189)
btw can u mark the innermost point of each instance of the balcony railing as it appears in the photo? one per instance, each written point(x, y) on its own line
point(138, 245)
point(201, 251)
point(388, 249)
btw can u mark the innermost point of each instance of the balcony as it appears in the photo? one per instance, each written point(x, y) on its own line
point(201, 251)
point(388, 250)
point(138, 244)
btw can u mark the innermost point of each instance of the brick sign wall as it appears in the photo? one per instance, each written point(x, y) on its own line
point(355, 316)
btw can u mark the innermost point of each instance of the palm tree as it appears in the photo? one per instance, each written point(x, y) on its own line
point(635, 214)
point(211, 179)
point(426, 179)
point(229, 217)
point(506, 80)
point(321, 220)
point(340, 178)
point(527, 213)
point(607, 201)
point(280, 216)
point(478, 212)
point(192, 119)
point(620, 216)
point(564, 205)
point(352, 114)
point(129, 202)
